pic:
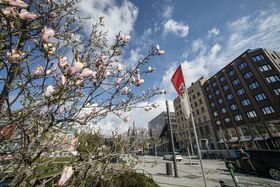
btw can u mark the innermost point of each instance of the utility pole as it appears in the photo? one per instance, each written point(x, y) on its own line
point(171, 140)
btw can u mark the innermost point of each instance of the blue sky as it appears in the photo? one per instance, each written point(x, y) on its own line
point(203, 35)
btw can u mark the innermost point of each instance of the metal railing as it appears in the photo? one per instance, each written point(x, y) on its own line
point(145, 173)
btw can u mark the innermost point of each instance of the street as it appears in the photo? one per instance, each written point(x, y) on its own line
point(190, 175)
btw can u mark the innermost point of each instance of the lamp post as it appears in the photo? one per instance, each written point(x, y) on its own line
point(171, 140)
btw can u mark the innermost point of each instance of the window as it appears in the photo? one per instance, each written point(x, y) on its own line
point(254, 85)
point(251, 114)
point(193, 97)
point(231, 73)
point(242, 65)
point(220, 101)
point(214, 84)
point(227, 120)
point(195, 104)
point(245, 102)
point(258, 58)
point(240, 91)
point(217, 92)
point(218, 122)
point(268, 110)
point(223, 110)
point(229, 97)
point(265, 67)
point(200, 101)
point(247, 75)
point(197, 111)
point(209, 96)
point(202, 109)
point(215, 113)
point(207, 88)
point(198, 94)
point(277, 91)
point(212, 105)
point(204, 118)
point(273, 78)
point(222, 79)
point(235, 82)
point(233, 106)
point(225, 87)
point(260, 97)
point(238, 118)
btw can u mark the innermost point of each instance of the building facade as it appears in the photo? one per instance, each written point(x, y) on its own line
point(244, 101)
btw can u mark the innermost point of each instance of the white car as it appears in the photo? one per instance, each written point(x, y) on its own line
point(169, 156)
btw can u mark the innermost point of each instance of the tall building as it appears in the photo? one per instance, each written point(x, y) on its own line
point(204, 128)
point(244, 101)
point(159, 128)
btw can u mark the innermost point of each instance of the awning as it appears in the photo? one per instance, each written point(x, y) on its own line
point(260, 138)
point(233, 139)
point(245, 138)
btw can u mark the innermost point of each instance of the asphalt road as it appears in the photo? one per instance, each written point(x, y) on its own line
point(191, 176)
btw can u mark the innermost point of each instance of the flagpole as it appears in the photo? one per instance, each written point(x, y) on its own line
point(194, 129)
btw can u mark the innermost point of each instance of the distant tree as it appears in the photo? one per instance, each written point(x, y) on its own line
point(54, 76)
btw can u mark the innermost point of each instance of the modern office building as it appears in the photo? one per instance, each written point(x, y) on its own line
point(244, 101)
point(159, 128)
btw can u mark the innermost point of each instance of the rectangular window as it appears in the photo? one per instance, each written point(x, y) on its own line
point(260, 97)
point(225, 87)
point(235, 82)
point(229, 97)
point(240, 91)
point(217, 92)
point(222, 79)
point(218, 122)
point(251, 114)
point(254, 85)
point(238, 118)
point(223, 110)
point(273, 78)
point(277, 91)
point(247, 75)
point(268, 110)
point(220, 101)
point(245, 102)
point(227, 120)
point(212, 105)
point(231, 73)
point(215, 113)
point(258, 58)
point(209, 96)
point(233, 106)
point(207, 88)
point(242, 65)
point(265, 67)
point(214, 84)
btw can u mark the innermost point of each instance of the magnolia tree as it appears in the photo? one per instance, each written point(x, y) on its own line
point(53, 76)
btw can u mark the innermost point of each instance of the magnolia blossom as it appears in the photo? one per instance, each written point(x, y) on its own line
point(49, 48)
point(49, 71)
point(62, 61)
point(46, 34)
point(87, 73)
point(118, 81)
point(150, 70)
point(139, 82)
point(159, 51)
point(125, 89)
point(77, 67)
point(24, 14)
point(155, 105)
point(15, 3)
point(49, 91)
point(147, 108)
point(119, 67)
point(9, 11)
point(65, 176)
point(16, 55)
point(126, 119)
point(62, 80)
point(124, 38)
point(39, 70)
point(79, 82)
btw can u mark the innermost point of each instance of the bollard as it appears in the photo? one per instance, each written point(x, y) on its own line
point(231, 171)
point(168, 168)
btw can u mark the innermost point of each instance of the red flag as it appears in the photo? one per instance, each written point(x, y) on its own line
point(178, 81)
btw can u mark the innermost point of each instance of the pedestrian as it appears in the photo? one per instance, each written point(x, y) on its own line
point(222, 183)
point(246, 158)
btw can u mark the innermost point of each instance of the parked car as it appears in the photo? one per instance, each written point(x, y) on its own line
point(169, 156)
point(264, 161)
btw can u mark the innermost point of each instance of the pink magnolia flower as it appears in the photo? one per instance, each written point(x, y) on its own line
point(46, 34)
point(77, 67)
point(159, 51)
point(62, 62)
point(39, 70)
point(124, 38)
point(49, 71)
point(62, 80)
point(125, 89)
point(147, 108)
point(49, 91)
point(150, 70)
point(79, 82)
point(49, 48)
point(87, 73)
point(9, 11)
point(118, 81)
point(119, 67)
point(25, 15)
point(16, 55)
point(139, 82)
point(16, 3)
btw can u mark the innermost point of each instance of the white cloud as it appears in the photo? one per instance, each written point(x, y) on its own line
point(198, 45)
point(117, 17)
point(213, 32)
point(178, 28)
point(167, 13)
